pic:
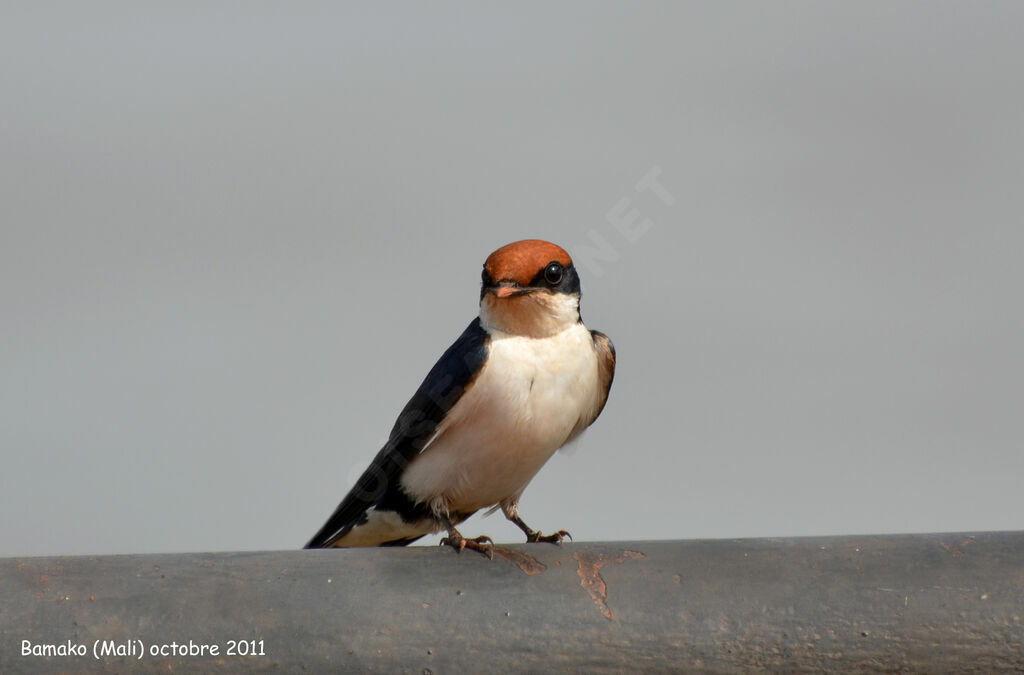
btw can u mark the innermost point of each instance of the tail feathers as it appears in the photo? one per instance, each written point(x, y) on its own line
point(375, 527)
point(335, 529)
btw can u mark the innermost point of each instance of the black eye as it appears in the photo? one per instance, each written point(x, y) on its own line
point(553, 273)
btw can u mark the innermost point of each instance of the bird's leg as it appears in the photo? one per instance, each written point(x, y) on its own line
point(483, 544)
point(511, 511)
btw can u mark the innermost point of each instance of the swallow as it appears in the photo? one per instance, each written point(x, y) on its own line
point(524, 378)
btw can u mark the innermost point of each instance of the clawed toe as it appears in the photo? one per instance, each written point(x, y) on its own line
point(482, 544)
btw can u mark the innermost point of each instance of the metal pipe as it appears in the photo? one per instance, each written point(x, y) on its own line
point(928, 603)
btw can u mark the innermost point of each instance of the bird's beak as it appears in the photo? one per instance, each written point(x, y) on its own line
point(503, 290)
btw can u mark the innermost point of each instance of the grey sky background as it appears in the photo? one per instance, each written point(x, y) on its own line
point(234, 239)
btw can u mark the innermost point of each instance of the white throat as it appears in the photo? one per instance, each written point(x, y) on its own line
point(537, 314)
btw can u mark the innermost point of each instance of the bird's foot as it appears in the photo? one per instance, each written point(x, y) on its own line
point(482, 544)
point(555, 538)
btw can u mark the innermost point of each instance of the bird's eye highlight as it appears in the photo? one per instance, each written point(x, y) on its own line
point(553, 273)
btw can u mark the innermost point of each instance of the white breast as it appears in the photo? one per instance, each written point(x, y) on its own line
point(526, 402)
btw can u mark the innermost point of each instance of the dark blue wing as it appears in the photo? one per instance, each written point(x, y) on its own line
point(441, 389)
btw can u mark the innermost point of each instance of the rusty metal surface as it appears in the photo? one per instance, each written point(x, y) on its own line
point(915, 603)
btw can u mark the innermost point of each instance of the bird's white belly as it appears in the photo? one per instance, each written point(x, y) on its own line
point(527, 400)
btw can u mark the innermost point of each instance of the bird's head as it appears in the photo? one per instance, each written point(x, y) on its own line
point(530, 287)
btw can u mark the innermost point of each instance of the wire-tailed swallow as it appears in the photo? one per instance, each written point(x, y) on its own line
point(525, 378)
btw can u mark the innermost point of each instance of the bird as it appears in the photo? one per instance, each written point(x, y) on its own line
point(522, 380)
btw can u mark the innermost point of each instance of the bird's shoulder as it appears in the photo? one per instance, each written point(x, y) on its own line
point(605, 349)
point(445, 383)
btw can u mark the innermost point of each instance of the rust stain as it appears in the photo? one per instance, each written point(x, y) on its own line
point(526, 562)
point(591, 561)
point(40, 577)
point(957, 549)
